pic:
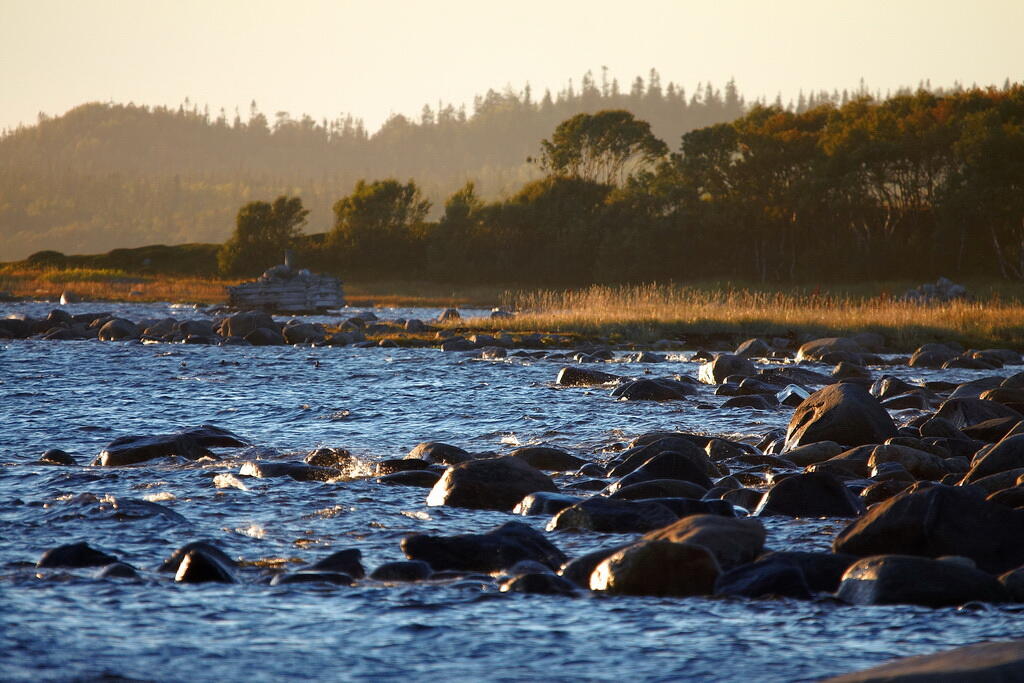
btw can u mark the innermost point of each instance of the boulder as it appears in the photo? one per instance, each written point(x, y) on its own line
point(658, 568)
point(299, 471)
point(979, 663)
point(438, 453)
point(538, 583)
point(752, 402)
point(931, 356)
point(493, 551)
point(544, 503)
point(921, 464)
point(426, 479)
point(264, 336)
point(547, 458)
point(347, 561)
point(656, 488)
point(1006, 455)
point(685, 448)
point(309, 576)
point(56, 456)
point(1013, 584)
point(606, 515)
point(668, 465)
point(329, 457)
point(491, 484)
point(823, 571)
point(75, 555)
point(242, 323)
point(812, 453)
point(572, 376)
point(966, 412)
point(844, 413)
point(304, 333)
point(119, 329)
point(733, 541)
point(820, 349)
point(725, 365)
point(659, 389)
point(754, 348)
point(770, 577)
point(908, 580)
point(810, 495)
point(172, 563)
point(402, 570)
point(117, 570)
point(932, 520)
point(192, 443)
point(199, 565)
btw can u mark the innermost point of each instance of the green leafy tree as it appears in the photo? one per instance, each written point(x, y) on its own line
point(379, 226)
point(263, 231)
point(605, 147)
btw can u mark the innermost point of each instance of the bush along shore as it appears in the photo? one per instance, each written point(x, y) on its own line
point(933, 502)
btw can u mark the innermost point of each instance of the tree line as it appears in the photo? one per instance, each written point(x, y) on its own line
point(911, 186)
point(108, 175)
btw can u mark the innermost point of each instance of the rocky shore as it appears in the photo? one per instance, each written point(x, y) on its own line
point(927, 479)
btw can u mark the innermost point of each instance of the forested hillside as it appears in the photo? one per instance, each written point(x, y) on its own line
point(114, 175)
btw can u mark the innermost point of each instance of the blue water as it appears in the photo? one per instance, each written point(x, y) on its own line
point(378, 403)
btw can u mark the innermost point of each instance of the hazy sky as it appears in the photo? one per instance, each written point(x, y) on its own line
point(373, 57)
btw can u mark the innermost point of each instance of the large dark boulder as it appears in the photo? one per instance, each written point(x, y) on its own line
point(668, 465)
point(547, 458)
point(656, 488)
point(682, 447)
point(932, 520)
point(192, 443)
point(264, 336)
point(493, 551)
point(657, 389)
point(733, 541)
point(931, 356)
point(723, 366)
point(611, 516)
point(572, 376)
point(810, 495)
point(299, 471)
point(490, 484)
point(909, 580)
point(199, 565)
point(968, 412)
point(1006, 455)
point(823, 571)
point(402, 570)
point(544, 503)
point(79, 554)
point(538, 583)
point(172, 563)
point(754, 348)
point(241, 324)
point(439, 453)
point(768, 577)
point(829, 347)
point(659, 568)
point(981, 663)
point(844, 413)
point(119, 329)
point(347, 561)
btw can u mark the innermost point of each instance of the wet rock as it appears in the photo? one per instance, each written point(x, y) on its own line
point(348, 561)
point(539, 583)
point(668, 465)
point(659, 389)
point(200, 565)
point(607, 515)
point(1006, 455)
point(383, 468)
point(329, 457)
point(304, 333)
point(117, 570)
point(73, 555)
point(792, 396)
point(812, 453)
point(771, 577)
point(820, 349)
point(753, 348)
point(733, 541)
point(263, 336)
point(656, 488)
point(493, 551)
point(822, 571)
point(172, 563)
point(299, 471)
point(1012, 497)
point(992, 430)
point(891, 471)
point(723, 366)
point(846, 370)
point(242, 323)
point(932, 520)
point(412, 570)
point(307, 576)
point(449, 314)
point(931, 356)
point(658, 568)
point(426, 479)
point(810, 495)
point(921, 464)
point(967, 412)
point(492, 484)
point(579, 569)
point(189, 443)
point(980, 663)
point(457, 344)
point(684, 448)
point(752, 402)
point(55, 456)
point(119, 329)
point(844, 413)
point(908, 580)
point(437, 452)
point(546, 458)
point(646, 357)
point(544, 503)
point(1013, 584)
point(748, 499)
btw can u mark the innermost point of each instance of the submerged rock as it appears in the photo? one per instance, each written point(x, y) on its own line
point(192, 443)
point(411, 570)
point(493, 551)
point(79, 554)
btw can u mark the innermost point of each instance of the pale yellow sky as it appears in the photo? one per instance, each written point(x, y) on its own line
point(372, 58)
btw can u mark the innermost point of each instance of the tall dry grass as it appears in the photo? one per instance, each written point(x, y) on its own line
point(648, 312)
point(110, 285)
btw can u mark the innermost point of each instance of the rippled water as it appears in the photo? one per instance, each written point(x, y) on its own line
point(378, 403)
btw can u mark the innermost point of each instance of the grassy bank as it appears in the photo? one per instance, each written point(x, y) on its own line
point(708, 313)
point(715, 312)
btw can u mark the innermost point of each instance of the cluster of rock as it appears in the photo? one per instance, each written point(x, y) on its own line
point(942, 291)
point(290, 290)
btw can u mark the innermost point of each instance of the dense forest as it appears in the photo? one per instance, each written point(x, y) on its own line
point(110, 175)
point(912, 186)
